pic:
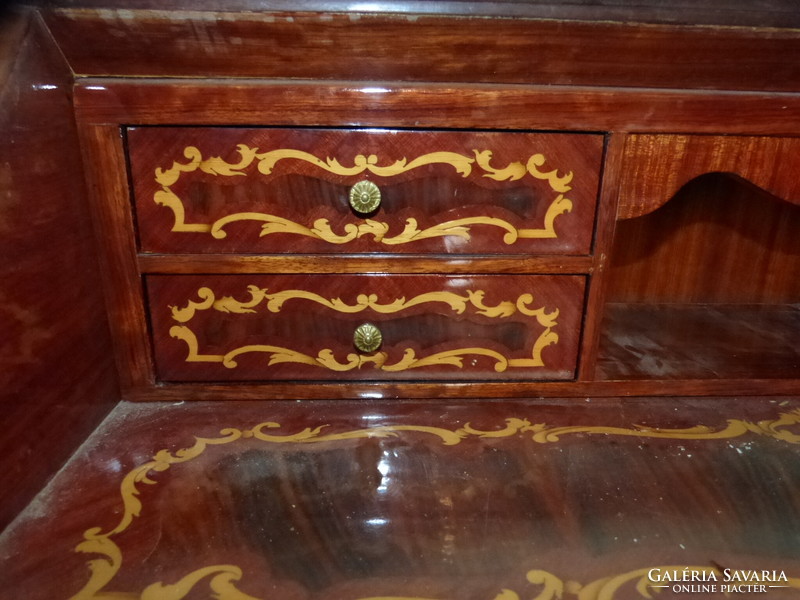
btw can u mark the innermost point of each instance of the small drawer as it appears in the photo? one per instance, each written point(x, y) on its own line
point(266, 191)
point(365, 327)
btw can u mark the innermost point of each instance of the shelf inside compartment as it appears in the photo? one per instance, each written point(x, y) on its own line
point(700, 341)
point(705, 287)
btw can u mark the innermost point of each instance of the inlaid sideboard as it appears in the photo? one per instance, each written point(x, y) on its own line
point(339, 204)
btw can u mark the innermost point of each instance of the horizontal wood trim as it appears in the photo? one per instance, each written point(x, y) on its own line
point(488, 107)
point(216, 263)
point(438, 391)
point(746, 13)
point(364, 47)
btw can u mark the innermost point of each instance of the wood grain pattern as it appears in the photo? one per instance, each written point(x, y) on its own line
point(301, 327)
point(604, 235)
point(441, 500)
point(498, 97)
point(657, 166)
point(315, 263)
point(433, 105)
point(744, 13)
point(700, 341)
point(111, 212)
point(659, 390)
point(363, 47)
point(57, 378)
point(718, 241)
point(275, 191)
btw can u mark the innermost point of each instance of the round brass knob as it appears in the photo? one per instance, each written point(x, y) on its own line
point(367, 338)
point(365, 197)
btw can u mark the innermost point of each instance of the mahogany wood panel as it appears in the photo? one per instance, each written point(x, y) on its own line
point(315, 263)
point(598, 283)
point(657, 166)
point(700, 341)
point(717, 241)
point(355, 500)
point(354, 104)
point(660, 390)
point(765, 13)
point(286, 190)
point(365, 47)
point(104, 157)
point(301, 327)
point(57, 379)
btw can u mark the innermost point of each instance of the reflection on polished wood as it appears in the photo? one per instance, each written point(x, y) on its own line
point(441, 502)
point(239, 328)
point(57, 372)
point(281, 190)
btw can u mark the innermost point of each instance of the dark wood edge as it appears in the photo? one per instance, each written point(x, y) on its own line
point(392, 104)
point(735, 14)
point(604, 236)
point(15, 29)
point(216, 263)
point(104, 157)
point(464, 390)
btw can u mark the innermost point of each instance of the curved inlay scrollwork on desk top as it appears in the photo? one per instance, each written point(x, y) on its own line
point(222, 578)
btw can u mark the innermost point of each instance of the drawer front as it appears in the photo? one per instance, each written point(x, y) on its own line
point(221, 190)
point(302, 327)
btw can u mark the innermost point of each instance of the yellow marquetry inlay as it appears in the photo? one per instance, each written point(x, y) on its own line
point(221, 579)
point(275, 301)
point(321, 228)
point(326, 359)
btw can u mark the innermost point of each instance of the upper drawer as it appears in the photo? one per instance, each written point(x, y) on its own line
point(289, 190)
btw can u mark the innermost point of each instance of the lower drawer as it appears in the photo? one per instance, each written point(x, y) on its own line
point(365, 327)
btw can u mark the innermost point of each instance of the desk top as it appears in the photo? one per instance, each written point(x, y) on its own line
point(416, 500)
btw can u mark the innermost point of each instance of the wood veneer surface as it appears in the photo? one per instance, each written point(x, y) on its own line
point(358, 46)
point(699, 341)
point(165, 101)
point(719, 240)
point(57, 378)
point(415, 500)
point(254, 190)
point(764, 13)
point(295, 328)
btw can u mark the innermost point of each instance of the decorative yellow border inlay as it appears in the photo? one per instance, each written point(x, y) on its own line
point(222, 578)
point(326, 359)
point(321, 228)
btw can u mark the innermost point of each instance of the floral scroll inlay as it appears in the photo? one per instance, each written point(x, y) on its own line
point(221, 579)
point(273, 302)
point(321, 229)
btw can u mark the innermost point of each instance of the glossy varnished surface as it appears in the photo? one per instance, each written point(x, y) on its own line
point(408, 104)
point(767, 13)
point(706, 286)
point(274, 190)
point(403, 500)
point(719, 240)
point(296, 327)
point(657, 166)
point(699, 341)
point(643, 80)
point(57, 377)
point(359, 46)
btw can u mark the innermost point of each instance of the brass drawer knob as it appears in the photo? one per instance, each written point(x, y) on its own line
point(365, 197)
point(367, 338)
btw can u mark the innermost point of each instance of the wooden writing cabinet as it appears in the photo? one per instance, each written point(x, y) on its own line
point(353, 205)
